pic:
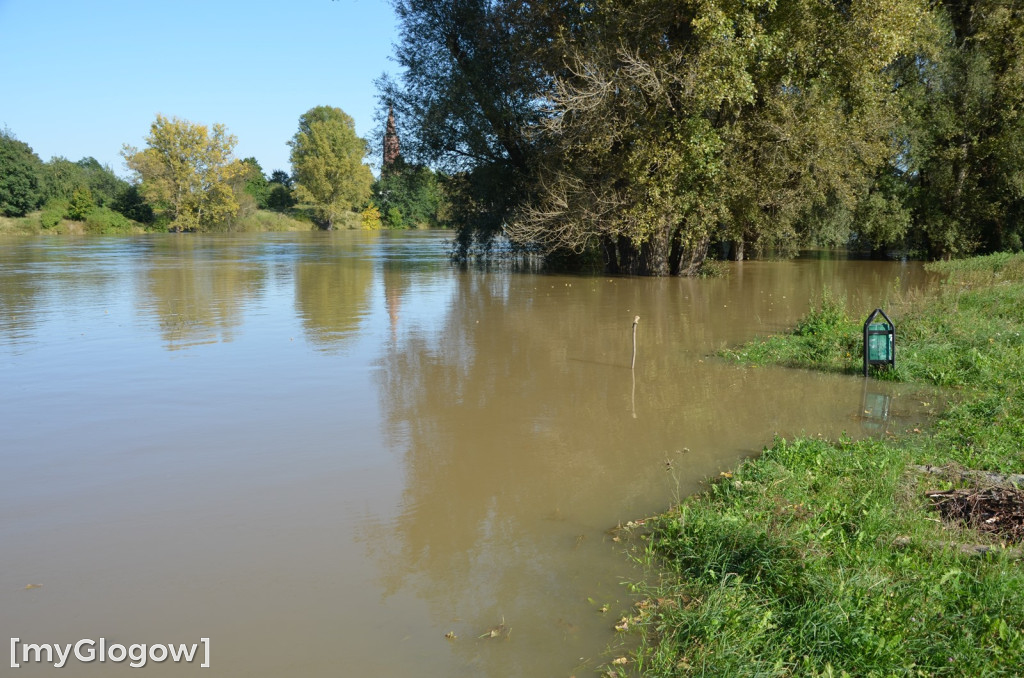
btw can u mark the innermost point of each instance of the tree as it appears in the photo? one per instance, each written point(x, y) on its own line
point(20, 181)
point(62, 178)
point(475, 78)
point(279, 191)
point(963, 94)
point(327, 163)
point(408, 195)
point(131, 204)
point(680, 123)
point(256, 184)
point(80, 204)
point(281, 177)
point(186, 172)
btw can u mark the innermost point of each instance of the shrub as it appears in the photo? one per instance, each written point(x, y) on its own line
point(371, 218)
point(105, 221)
point(53, 213)
point(828, 318)
point(81, 204)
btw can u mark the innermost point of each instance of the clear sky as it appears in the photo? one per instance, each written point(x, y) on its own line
point(81, 78)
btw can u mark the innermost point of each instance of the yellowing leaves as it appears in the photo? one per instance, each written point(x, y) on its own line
point(186, 172)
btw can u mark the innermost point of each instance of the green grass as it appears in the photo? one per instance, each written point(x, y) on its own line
point(788, 567)
point(262, 221)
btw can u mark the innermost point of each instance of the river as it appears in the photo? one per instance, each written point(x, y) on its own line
point(338, 454)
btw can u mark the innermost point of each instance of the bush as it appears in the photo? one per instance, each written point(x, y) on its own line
point(53, 213)
point(105, 221)
point(394, 218)
point(81, 204)
point(827, 319)
point(371, 219)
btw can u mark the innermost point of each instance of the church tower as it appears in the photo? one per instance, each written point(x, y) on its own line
point(391, 151)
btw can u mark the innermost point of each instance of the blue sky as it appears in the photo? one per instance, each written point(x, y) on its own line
point(82, 78)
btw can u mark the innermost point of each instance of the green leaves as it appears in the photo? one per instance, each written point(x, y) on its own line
point(20, 170)
point(327, 163)
point(186, 172)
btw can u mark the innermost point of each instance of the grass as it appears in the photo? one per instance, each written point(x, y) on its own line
point(789, 566)
point(103, 221)
point(263, 221)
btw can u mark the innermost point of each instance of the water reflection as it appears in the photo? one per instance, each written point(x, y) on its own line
point(195, 291)
point(332, 293)
point(521, 409)
point(876, 406)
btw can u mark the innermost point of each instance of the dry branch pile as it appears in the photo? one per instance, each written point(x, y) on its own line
point(995, 510)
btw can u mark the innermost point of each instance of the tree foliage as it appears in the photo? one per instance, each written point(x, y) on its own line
point(327, 164)
point(474, 78)
point(186, 172)
point(279, 191)
point(646, 130)
point(963, 95)
point(81, 186)
point(680, 123)
point(408, 196)
point(20, 177)
point(256, 184)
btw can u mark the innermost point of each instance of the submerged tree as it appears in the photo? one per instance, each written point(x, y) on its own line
point(644, 131)
point(475, 74)
point(327, 164)
point(683, 122)
point(186, 172)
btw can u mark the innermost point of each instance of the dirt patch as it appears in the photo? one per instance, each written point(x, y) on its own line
point(996, 510)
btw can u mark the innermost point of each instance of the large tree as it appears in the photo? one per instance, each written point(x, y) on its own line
point(646, 129)
point(327, 164)
point(475, 76)
point(20, 177)
point(186, 172)
point(963, 94)
point(684, 122)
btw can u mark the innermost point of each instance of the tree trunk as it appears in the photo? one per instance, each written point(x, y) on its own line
point(738, 249)
point(694, 256)
point(611, 257)
point(654, 253)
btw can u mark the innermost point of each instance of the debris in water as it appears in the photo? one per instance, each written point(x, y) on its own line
point(499, 631)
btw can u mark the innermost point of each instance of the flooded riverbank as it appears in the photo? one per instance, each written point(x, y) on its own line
point(331, 450)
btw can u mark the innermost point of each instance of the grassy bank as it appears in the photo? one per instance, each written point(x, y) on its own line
point(102, 221)
point(828, 558)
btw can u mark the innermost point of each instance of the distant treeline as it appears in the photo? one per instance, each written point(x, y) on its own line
point(642, 135)
point(187, 179)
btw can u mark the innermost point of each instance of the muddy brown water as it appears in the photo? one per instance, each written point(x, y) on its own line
point(325, 452)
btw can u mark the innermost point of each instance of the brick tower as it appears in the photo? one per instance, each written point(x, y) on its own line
point(391, 150)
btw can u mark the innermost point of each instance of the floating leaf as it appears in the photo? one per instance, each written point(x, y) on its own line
point(33, 586)
point(450, 635)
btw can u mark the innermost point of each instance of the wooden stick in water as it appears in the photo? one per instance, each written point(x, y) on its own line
point(633, 362)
